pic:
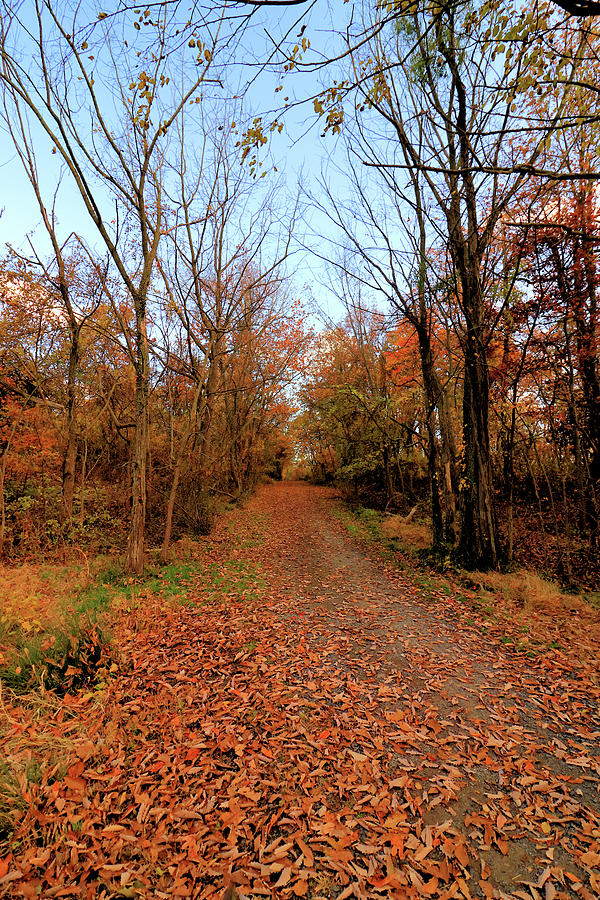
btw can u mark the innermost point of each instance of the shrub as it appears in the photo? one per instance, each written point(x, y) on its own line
point(413, 534)
point(62, 662)
point(196, 509)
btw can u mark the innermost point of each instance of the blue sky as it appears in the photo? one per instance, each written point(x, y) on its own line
point(299, 153)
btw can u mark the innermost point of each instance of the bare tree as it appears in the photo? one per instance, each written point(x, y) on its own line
point(61, 278)
point(226, 241)
point(443, 112)
point(107, 108)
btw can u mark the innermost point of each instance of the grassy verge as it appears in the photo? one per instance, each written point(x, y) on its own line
point(522, 610)
point(60, 643)
point(55, 626)
point(59, 634)
point(54, 629)
point(360, 521)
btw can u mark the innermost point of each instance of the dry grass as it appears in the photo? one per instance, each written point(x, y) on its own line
point(32, 595)
point(529, 592)
point(524, 601)
point(39, 736)
point(41, 710)
point(38, 602)
point(186, 548)
point(412, 534)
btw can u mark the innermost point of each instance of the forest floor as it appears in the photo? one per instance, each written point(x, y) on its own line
point(307, 719)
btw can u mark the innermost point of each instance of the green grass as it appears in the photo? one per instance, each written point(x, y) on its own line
point(592, 597)
point(35, 656)
point(68, 656)
point(234, 577)
point(360, 522)
point(345, 517)
point(113, 585)
point(371, 520)
point(254, 534)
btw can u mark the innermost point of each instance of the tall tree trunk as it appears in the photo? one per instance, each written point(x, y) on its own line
point(135, 545)
point(70, 451)
point(82, 483)
point(206, 413)
point(478, 543)
point(442, 530)
point(590, 371)
point(449, 475)
point(387, 474)
point(2, 500)
point(429, 384)
point(3, 460)
point(509, 472)
point(467, 244)
point(177, 469)
point(590, 383)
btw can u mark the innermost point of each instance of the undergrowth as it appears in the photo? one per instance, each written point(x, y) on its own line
point(12, 801)
point(72, 648)
point(68, 647)
point(58, 642)
point(64, 661)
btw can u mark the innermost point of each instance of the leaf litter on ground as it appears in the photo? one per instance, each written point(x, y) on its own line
point(320, 727)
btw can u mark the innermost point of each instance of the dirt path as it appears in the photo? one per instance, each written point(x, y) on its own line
point(374, 624)
point(332, 730)
point(312, 556)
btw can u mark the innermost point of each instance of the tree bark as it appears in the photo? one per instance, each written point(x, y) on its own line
point(70, 451)
point(429, 384)
point(178, 467)
point(135, 544)
point(3, 460)
point(478, 544)
point(2, 500)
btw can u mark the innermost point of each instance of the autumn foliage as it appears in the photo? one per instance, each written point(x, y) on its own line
point(240, 432)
